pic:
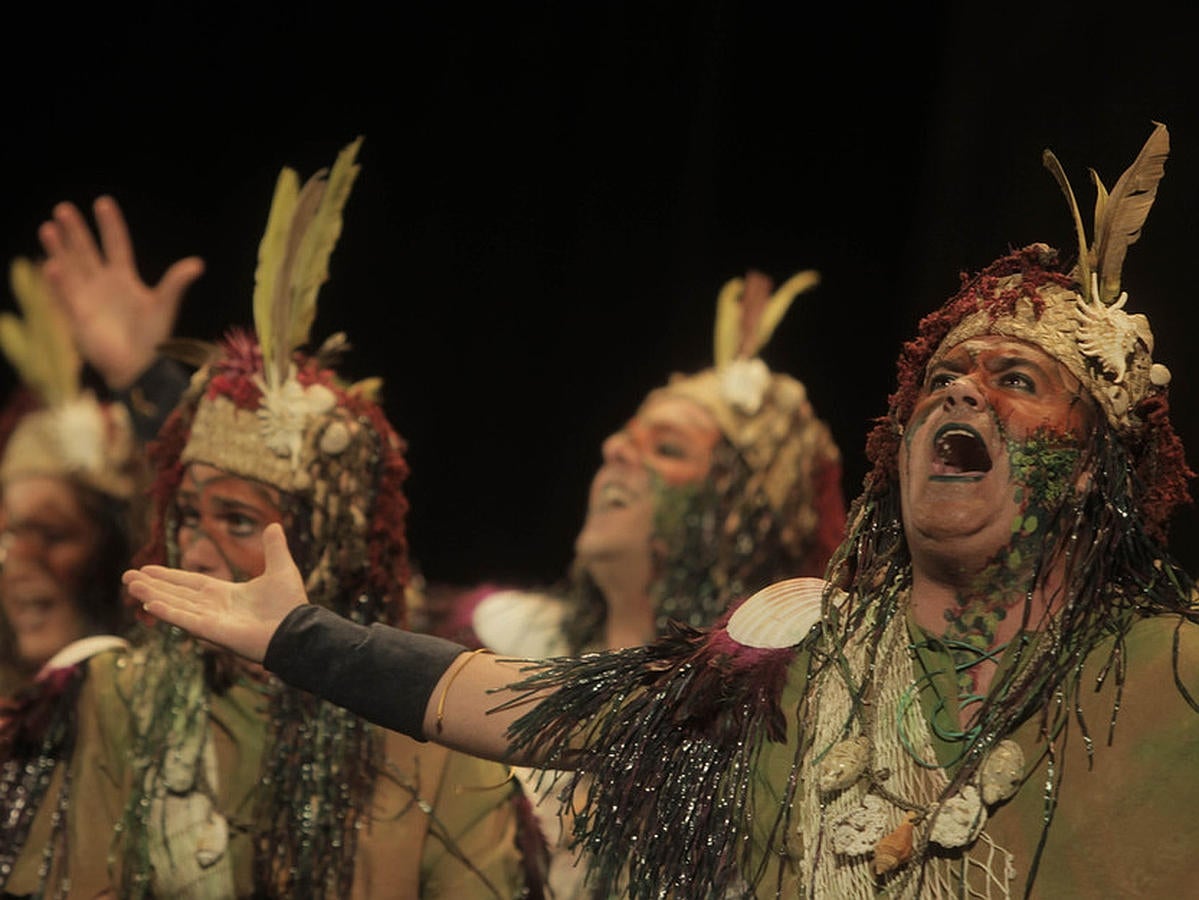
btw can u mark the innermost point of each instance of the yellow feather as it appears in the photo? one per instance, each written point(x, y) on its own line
point(283, 306)
point(319, 239)
point(1125, 210)
point(271, 250)
point(367, 388)
point(293, 258)
point(1084, 261)
point(780, 302)
point(728, 321)
point(39, 346)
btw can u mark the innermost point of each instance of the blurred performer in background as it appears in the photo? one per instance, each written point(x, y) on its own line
point(723, 481)
point(71, 476)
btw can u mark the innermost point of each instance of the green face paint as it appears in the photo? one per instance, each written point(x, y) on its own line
point(1044, 470)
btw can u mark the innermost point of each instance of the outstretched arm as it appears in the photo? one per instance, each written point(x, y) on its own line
point(118, 320)
point(423, 686)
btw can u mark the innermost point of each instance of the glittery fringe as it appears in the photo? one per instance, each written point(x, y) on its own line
point(670, 735)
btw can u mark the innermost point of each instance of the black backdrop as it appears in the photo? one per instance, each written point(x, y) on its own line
point(552, 195)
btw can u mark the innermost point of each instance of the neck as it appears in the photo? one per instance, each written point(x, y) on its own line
point(979, 613)
point(631, 618)
point(626, 588)
point(630, 621)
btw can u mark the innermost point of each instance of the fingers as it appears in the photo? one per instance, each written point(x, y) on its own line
point(76, 237)
point(47, 234)
point(191, 580)
point(146, 590)
point(178, 278)
point(114, 233)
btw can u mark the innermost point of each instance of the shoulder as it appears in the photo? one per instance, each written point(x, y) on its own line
point(524, 624)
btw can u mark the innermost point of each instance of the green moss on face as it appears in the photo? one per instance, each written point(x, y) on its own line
point(1044, 471)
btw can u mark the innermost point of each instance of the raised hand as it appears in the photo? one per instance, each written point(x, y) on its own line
point(117, 319)
point(240, 616)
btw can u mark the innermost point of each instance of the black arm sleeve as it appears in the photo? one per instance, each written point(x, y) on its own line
point(383, 674)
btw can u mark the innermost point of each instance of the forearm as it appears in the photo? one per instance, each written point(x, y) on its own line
point(419, 685)
point(468, 709)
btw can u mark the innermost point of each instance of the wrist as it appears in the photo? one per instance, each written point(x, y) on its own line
point(383, 674)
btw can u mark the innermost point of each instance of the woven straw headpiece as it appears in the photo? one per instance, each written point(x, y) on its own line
point(73, 434)
point(1081, 321)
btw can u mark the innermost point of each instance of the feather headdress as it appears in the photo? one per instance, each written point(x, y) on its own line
point(303, 226)
point(1080, 319)
point(293, 258)
point(293, 262)
point(765, 415)
point(1119, 215)
point(747, 312)
point(73, 434)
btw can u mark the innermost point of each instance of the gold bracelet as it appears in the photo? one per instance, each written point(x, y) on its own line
point(445, 690)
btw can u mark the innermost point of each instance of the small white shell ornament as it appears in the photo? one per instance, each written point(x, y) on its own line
point(844, 764)
point(1159, 375)
point(959, 820)
point(1001, 772)
point(857, 832)
point(212, 837)
point(335, 439)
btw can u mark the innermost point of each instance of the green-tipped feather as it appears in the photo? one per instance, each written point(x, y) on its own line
point(780, 301)
point(312, 269)
point(728, 321)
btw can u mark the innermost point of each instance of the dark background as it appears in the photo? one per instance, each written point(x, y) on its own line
point(552, 196)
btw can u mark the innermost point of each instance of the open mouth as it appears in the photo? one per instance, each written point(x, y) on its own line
point(960, 450)
point(613, 495)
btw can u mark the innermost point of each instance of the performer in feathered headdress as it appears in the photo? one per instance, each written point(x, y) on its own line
point(722, 482)
point(992, 696)
point(70, 474)
point(243, 787)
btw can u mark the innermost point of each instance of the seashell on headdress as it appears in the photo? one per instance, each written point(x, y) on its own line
point(1086, 328)
point(74, 434)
